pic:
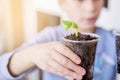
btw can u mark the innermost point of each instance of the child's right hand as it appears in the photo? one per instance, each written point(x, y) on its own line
point(53, 57)
point(56, 58)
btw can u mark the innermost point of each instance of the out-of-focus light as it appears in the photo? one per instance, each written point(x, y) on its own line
point(48, 6)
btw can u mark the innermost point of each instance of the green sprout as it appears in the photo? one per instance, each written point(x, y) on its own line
point(69, 24)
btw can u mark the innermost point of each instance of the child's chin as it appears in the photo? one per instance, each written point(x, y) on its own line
point(87, 26)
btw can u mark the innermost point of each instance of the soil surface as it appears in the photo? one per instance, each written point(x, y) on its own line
point(80, 37)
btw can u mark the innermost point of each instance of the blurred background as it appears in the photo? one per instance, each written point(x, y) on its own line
point(21, 19)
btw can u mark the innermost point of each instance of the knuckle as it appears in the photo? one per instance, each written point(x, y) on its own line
point(65, 61)
point(74, 75)
point(66, 72)
point(60, 74)
point(73, 67)
point(76, 67)
point(63, 49)
point(60, 69)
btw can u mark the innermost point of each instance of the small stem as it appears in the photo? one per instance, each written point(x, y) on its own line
point(76, 32)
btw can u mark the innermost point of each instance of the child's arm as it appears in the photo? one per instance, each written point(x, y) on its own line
point(53, 57)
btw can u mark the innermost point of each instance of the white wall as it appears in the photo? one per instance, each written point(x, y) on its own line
point(109, 19)
point(1, 41)
point(29, 19)
point(48, 6)
point(1, 35)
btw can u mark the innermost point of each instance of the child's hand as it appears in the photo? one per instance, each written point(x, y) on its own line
point(53, 57)
point(56, 58)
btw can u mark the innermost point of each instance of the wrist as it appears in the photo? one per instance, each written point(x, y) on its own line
point(20, 62)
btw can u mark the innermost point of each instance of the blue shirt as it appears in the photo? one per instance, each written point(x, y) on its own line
point(105, 61)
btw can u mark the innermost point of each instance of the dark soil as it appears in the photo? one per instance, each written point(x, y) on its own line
point(86, 51)
point(118, 53)
point(80, 37)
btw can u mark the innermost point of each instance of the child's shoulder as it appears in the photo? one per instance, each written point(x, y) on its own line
point(106, 33)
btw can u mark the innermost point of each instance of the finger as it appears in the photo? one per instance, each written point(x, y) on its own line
point(70, 78)
point(80, 78)
point(68, 53)
point(54, 71)
point(67, 63)
point(60, 74)
point(59, 68)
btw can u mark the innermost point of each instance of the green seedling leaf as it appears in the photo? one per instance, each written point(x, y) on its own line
point(74, 25)
point(69, 24)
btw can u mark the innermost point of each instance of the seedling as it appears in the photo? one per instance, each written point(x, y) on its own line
point(69, 24)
